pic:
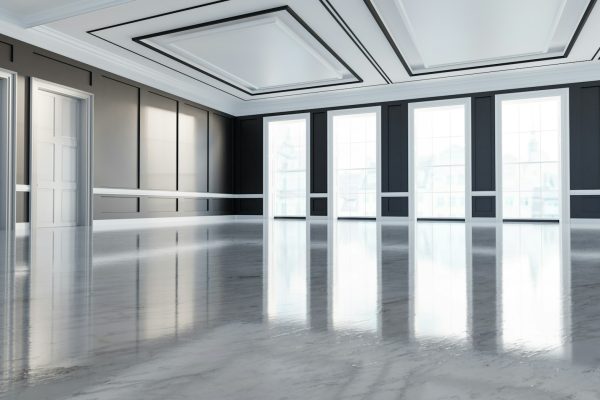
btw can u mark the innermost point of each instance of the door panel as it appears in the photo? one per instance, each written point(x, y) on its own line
point(58, 125)
point(45, 206)
point(68, 207)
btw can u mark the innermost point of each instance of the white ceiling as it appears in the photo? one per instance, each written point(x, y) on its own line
point(30, 13)
point(278, 53)
point(318, 53)
point(468, 33)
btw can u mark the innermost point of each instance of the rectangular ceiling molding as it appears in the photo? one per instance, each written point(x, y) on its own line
point(334, 70)
point(464, 66)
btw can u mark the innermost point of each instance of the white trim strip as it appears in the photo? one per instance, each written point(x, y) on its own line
point(136, 223)
point(318, 195)
point(394, 194)
point(168, 193)
point(592, 192)
point(483, 193)
point(22, 188)
point(22, 229)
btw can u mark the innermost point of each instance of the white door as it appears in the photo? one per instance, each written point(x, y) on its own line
point(57, 122)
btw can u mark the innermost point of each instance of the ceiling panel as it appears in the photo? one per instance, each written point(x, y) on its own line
point(279, 52)
point(243, 56)
point(37, 12)
point(246, 49)
point(433, 36)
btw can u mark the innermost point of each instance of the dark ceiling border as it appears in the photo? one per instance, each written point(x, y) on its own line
point(140, 40)
point(354, 37)
point(93, 33)
point(409, 71)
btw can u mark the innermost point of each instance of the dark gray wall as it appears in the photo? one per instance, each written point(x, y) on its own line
point(394, 158)
point(143, 138)
point(584, 101)
point(116, 109)
point(248, 164)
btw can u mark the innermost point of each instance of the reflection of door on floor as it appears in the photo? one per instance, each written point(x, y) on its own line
point(58, 125)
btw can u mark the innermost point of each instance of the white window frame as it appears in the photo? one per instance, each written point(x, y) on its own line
point(267, 203)
point(331, 197)
point(463, 101)
point(8, 150)
point(565, 201)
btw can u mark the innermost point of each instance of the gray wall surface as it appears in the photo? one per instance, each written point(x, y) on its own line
point(143, 139)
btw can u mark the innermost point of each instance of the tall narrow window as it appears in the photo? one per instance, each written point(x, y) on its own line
point(441, 144)
point(531, 156)
point(286, 139)
point(354, 141)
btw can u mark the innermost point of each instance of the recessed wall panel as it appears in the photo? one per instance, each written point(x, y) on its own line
point(220, 151)
point(158, 143)
point(116, 135)
point(193, 149)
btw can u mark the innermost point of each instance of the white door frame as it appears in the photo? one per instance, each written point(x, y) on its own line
point(267, 203)
point(8, 115)
point(464, 101)
point(331, 197)
point(85, 149)
point(565, 199)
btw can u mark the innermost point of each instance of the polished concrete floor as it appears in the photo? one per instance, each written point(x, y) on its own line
point(297, 310)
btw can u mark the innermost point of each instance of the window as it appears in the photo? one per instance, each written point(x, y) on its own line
point(531, 156)
point(355, 160)
point(441, 137)
point(286, 141)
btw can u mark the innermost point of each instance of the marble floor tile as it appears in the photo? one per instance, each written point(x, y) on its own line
point(290, 309)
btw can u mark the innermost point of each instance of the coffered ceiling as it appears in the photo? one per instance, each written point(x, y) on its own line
point(260, 56)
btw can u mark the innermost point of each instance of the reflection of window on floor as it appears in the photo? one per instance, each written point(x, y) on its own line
point(355, 276)
point(355, 146)
point(287, 164)
point(440, 281)
point(532, 291)
point(531, 158)
point(287, 272)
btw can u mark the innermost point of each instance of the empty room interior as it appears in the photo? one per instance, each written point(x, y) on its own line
point(299, 199)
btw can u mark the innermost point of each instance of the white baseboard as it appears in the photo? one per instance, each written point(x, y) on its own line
point(248, 218)
point(141, 223)
point(585, 223)
point(484, 221)
point(22, 229)
point(394, 220)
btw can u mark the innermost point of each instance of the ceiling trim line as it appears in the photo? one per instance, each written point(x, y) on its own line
point(140, 40)
point(392, 42)
point(157, 15)
point(344, 25)
point(166, 66)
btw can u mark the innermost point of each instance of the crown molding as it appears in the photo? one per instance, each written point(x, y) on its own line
point(434, 87)
point(68, 10)
point(79, 50)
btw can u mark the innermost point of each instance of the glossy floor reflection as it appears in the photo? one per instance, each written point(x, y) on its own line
point(297, 310)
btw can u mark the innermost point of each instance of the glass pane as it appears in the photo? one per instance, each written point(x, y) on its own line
point(355, 172)
point(531, 158)
point(439, 161)
point(287, 164)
